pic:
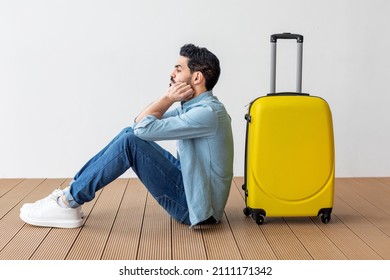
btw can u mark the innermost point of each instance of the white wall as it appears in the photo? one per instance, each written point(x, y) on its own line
point(73, 73)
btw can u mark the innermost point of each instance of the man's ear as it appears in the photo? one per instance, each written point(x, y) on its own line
point(198, 78)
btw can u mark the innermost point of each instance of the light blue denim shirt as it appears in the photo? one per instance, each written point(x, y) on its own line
point(202, 127)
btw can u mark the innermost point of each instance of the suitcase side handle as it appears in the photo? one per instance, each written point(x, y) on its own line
point(274, 39)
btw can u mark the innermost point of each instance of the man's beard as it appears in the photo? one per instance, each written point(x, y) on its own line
point(172, 82)
point(188, 82)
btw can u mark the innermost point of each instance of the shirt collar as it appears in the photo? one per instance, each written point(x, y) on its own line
point(195, 100)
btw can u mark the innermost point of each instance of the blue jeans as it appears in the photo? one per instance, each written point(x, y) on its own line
point(158, 170)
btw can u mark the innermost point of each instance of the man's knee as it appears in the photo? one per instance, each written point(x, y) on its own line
point(127, 130)
point(129, 137)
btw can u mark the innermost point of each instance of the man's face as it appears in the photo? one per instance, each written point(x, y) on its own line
point(181, 72)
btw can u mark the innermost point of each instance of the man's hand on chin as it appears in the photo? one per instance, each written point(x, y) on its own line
point(180, 91)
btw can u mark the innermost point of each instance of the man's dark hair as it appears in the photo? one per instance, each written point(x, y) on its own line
point(201, 59)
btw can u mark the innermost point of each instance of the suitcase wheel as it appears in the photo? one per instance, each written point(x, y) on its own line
point(325, 214)
point(258, 218)
point(325, 218)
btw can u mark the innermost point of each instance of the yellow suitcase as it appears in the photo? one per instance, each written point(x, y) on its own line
point(289, 153)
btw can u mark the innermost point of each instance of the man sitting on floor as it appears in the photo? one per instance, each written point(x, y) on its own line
point(192, 187)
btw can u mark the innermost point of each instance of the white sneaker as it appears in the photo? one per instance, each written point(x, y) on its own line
point(56, 192)
point(47, 213)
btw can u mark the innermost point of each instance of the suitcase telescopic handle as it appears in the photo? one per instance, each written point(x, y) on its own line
point(274, 39)
point(297, 37)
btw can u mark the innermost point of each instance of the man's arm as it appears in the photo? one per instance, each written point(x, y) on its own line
point(200, 121)
point(177, 92)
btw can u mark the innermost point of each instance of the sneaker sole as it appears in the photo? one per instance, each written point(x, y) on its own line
point(48, 223)
point(28, 206)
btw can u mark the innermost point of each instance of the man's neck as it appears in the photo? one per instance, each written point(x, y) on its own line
point(199, 91)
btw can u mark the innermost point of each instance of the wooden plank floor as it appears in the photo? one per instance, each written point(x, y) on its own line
point(123, 222)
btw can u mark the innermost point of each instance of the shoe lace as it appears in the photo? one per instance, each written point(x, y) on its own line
point(53, 196)
point(57, 193)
